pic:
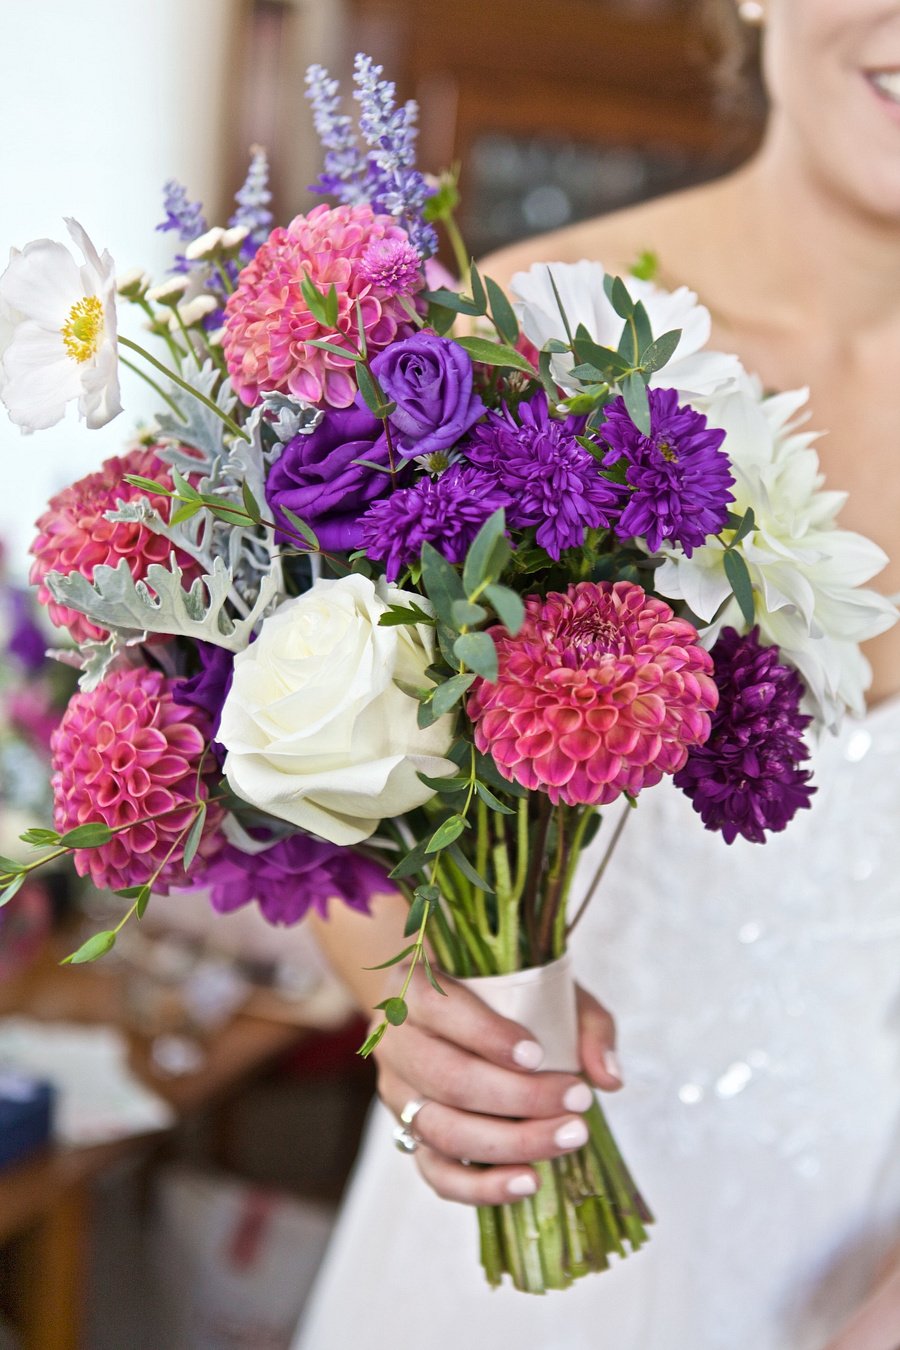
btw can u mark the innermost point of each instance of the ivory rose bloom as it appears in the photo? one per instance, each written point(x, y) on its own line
point(317, 731)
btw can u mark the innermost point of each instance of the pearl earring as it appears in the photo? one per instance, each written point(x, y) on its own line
point(752, 12)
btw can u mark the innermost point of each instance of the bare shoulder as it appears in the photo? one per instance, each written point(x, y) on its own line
point(670, 226)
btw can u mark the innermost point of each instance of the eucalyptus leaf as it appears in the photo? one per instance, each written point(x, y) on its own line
point(195, 834)
point(442, 583)
point(658, 353)
point(306, 532)
point(465, 614)
point(495, 354)
point(508, 605)
point(478, 296)
point(372, 1040)
point(446, 833)
point(91, 835)
point(493, 802)
point(452, 301)
point(430, 975)
point(634, 391)
point(477, 651)
point(477, 570)
point(393, 960)
point(502, 313)
point(450, 692)
point(462, 862)
point(12, 889)
point(95, 947)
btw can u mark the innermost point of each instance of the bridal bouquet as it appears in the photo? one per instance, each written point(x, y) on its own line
point(408, 582)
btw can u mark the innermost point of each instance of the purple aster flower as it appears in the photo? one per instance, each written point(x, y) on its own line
point(746, 778)
point(446, 512)
point(678, 475)
point(209, 687)
point(318, 478)
point(551, 482)
point(292, 877)
point(253, 203)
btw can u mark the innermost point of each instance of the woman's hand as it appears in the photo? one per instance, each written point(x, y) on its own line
point(876, 1325)
point(485, 1100)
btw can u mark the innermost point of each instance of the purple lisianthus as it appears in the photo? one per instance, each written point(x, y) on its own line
point(446, 512)
point(552, 483)
point(292, 877)
point(678, 476)
point(746, 778)
point(209, 688)
point(317, 478)
point(430, 379)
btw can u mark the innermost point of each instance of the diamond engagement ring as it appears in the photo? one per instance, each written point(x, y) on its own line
point(405, 1137)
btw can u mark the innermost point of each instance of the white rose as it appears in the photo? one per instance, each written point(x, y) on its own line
point(317, 732)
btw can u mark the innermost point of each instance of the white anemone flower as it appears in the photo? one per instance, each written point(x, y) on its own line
point(808, 576)
point(690, 370)
point(58, 334)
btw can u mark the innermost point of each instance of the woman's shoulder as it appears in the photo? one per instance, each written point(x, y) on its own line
point(670, 227)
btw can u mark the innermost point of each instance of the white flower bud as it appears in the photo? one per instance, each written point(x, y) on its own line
point(195, 310)
point(133, 284)
point(169, 292)
point(206, 246)
point(233, 238)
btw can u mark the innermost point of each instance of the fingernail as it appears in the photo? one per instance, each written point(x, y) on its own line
point(571, 1135)
point(523, 1185)
point(578, 1097)
point(528, 1054)
point(613, 1068)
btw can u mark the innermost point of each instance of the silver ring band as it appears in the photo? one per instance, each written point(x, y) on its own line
point(405, 1137)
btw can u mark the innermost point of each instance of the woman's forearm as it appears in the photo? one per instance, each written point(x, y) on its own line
point(352, 941)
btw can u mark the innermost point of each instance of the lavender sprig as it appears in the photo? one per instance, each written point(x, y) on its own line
point(345, 167)
point(182, 215)
point(253, 201)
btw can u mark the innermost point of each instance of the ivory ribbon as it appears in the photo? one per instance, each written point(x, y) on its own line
point(542, 999)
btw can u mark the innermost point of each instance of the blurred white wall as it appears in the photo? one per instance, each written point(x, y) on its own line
point(101, 102)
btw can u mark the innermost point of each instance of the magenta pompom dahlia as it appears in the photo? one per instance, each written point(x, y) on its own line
point(127, 754)
point(268, 324)
point(602, 691)
point(75, 536)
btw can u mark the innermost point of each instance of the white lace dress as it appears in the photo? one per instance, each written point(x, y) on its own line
point(757, 991)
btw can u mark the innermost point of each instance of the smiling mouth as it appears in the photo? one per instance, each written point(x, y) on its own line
point(886, 82)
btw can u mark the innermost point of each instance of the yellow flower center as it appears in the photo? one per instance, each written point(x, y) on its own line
point(83, 329)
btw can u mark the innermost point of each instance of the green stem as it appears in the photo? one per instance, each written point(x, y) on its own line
point(559, 927)
point(188, 388)
point(460, 252)
point(155, 387)
point(598, 875)
point(167, 338)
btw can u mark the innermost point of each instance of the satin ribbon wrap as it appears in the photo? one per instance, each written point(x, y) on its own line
point(542, 999)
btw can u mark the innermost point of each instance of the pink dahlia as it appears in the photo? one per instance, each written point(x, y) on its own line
point(126, 754)
point(268, 324)
point(75, 536)
point(602, 691)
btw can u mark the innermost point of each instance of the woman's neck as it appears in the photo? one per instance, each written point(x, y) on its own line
point(823, 260)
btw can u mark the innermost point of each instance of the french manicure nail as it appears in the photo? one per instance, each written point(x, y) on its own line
point(571, 1135)
point(528, 1054)
point(523, 1185)
point(578, 1097)
point(613, 1068)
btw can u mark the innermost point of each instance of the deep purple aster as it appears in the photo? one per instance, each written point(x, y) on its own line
point(550, 481)
point(26, 641)
point(678, 475)
point(745, 779)
point(318, 478)
point(295, 875)
point(209, 687)
point(446, 512)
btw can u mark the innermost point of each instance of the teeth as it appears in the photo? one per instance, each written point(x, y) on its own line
point(888, 81)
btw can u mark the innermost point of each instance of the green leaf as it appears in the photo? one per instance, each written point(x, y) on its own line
point(739, 580)
point(373, 464)
point(331, 306)
point(445, 834)
point(496, 354)
point(450, 692)
point(410, 615)
point(395, 1010)
point(478, 296)
point(39, 837)
point(185, 511)
point(305, 531)
point(143, 901)
point(95, 947)
point(560, 306)
point(619, 298)
point(465, 614)
point(545, 359)
point(747, 523)
point(250, 503)
point(12, 889)
point(487, 772)
point(10, 866)
point(480, 565)
point(610, 362)
point(184, 489)
point(441, 319)
point(360, 327)
point(432, 978)
point(508, 606)
point(449, 786)
point(316, 301)
point(502, 313)
point(91, 835)
point(646, 266)
point(634, 391)
point(408, 867)
point(659, 352)
point(195, 834)
point(148, 484)
point(426, 715)
point(441, 582)
point(493, 802)
point(347, 352)
point(468, 871)
point(643, 330)
point(372, 1040)
point(393, 960)
point(374, 396)
point(417, 912)
point(450, 300)
point(477, 651)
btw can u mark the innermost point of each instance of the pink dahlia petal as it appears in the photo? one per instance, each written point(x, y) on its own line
point(269, 326)
point(73, 535)
point(602, 691)
point(156, 809)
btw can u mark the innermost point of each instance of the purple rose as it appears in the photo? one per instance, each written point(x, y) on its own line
point(430, 380)
point(209, 687)
point(295, 875)
point(316, 478)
